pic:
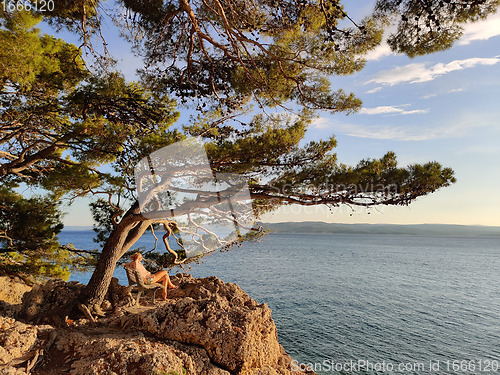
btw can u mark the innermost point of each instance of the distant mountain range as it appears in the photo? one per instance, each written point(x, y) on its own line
point(417, 229)
point(334, 228)
point(69, 228)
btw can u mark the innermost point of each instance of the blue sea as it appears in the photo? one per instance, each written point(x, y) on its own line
point(368, 304)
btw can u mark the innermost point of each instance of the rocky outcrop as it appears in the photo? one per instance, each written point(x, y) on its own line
point(54, 301)
point(206, 327)
point(21, 345)
point(86, 351)
point(237, 333)
point(114, 352)
point(12, 289)
point(51, 302)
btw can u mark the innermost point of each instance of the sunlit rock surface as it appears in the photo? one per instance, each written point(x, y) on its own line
point(205, 327)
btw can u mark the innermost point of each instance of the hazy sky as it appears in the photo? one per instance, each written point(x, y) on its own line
point(443, 107)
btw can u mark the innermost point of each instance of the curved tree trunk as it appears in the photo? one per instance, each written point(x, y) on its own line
point(124, 235)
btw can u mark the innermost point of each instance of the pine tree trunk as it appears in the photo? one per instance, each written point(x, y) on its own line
point(124, 235)
point(99, 282)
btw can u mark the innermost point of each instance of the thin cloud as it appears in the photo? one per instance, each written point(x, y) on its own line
point(452, 91)
point(455, 129)
point(373, 91)
point(428, 96)
point(399, 133)
point(320, 123)
point(421, 72)
point(386, 132)
point(385, 110)
point(482, 30)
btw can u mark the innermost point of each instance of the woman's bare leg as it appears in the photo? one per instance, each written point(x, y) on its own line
point(163, 278)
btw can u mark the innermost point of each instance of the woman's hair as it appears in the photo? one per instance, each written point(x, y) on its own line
point(136, 256)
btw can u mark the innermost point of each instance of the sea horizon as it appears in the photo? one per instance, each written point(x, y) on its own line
point(364, 228)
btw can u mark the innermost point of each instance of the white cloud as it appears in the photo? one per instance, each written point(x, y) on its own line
point(481, 30)
point(320, 123)
point(384, 110)
point(379, 52)
point(428, 96)
point(420, 72)
point(373, 91)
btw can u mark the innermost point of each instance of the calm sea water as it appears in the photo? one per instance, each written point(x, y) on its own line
point(370, 303)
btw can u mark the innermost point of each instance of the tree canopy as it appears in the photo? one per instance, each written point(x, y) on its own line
point(429, 26)
point(58, 125)
point(256, 73)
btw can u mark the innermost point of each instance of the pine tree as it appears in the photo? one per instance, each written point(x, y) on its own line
point(257, 73)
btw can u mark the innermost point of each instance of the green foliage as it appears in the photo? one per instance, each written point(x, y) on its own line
point(33, 62)
point(102, 213)
point(270, 52)
point(425, 27)
point(59, 125)
point(259, 146)
point(372, 182)
point(21, 44)
point(75, 133)
point(161, 260)
point(60, 109)
point(28, 236)
point(78, 16)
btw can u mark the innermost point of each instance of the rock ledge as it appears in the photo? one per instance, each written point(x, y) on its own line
point(206, 327)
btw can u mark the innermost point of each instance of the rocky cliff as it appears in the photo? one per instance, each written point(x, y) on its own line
point(206, 327)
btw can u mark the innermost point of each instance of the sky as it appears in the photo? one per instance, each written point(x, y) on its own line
point(441, 107)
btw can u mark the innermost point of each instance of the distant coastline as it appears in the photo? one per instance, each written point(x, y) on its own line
point(73, 228)
point(318, 227)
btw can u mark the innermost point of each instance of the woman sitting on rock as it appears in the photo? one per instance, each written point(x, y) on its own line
point(149, 278)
